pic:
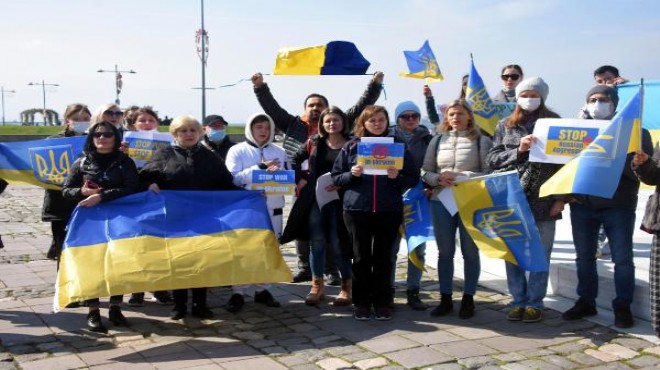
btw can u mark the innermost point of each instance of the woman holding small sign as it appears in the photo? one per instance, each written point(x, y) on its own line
point(373, 209)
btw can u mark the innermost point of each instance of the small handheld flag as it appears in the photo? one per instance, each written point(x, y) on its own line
point(422, 64)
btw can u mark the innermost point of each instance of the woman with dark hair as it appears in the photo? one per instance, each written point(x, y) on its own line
point(56, 209)
point(103, 173)
point(511, 143)
point(511, 76)
point(373, 212)
point(458, 150)
point(325, 225)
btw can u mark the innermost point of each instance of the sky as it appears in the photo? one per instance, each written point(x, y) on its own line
point(65, 42)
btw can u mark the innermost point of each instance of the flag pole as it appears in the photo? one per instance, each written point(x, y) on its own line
point(641, 111)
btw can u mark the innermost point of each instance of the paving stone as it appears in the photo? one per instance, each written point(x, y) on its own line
point(509, 357)
point(358, 356)
point(508, 344)
point(567, 348)
point(371, 363)
point(260, 363)
point(306, 367)
point(477, 362)
point(643, 362)
point(635, 344)
point(463, 349)
point(54, 363)
point(334, 364)
point(387, 344)
point(619, 351)
point(292, 360)
point(559, 361)
point(418, 357)
point(603, 356)
point(652, 350)
point(584, 359)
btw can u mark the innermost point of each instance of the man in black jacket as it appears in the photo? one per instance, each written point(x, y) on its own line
point(215, 135)
point(299, 128)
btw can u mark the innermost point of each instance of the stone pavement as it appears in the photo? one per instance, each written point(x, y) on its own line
point(294, 336)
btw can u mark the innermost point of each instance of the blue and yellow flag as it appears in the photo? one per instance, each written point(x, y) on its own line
point(43, 163)
point(170, 240)
point(605, 155)
point(496, 214)
point(485, 112)
point(417, 225)
point(335, 58)
point(650, 106)
point(422, 64)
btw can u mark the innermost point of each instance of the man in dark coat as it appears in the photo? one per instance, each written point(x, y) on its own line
point(215, 135)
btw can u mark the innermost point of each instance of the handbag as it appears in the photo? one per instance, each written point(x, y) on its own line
point(651, 220)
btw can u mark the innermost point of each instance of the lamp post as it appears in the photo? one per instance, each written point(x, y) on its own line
point(118, 81)
point(43, 89)
point(202, 39)
point(3, 91)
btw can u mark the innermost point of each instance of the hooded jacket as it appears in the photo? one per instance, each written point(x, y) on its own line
point(245, 157)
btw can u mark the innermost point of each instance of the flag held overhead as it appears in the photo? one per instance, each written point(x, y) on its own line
point(335, 58)
point(422, 64)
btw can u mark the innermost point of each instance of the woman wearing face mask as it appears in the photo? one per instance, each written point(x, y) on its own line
point(215, 135)
point(511, 77)
point(511, 142)
point(56, 209)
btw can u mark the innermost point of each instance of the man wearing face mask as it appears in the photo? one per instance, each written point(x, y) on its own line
point(215, 137)
point(601, 103)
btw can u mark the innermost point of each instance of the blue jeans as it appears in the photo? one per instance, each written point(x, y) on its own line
point(444, 227)
point(530, 291)
point(324, 233)
point(619, 224)
point(414, 277)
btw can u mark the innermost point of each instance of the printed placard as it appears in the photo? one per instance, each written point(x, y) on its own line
point(282, 182)
point(142, 145)
point(559, 140)
point(376, 158)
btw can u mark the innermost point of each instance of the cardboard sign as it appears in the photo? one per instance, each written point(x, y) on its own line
point(559, 140)
point(281, 182)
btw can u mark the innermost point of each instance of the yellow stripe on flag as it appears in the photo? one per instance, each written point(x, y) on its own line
point(24, 177)
point(300, 61)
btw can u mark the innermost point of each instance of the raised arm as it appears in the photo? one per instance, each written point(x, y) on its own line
point(369, 97)
point(281, 117)
point(431, 110)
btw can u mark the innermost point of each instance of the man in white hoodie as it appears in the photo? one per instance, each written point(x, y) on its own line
point(257, 152)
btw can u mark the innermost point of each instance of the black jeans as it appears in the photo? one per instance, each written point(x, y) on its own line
point(115, 300)
point(181, 297)
point(373, 234)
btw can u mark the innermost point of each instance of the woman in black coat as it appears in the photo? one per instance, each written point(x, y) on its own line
point(103, 173)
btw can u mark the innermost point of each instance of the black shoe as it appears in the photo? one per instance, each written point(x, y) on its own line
point(236, 302)
point(467, 307)
point(94, 322)
point(73, 305)
point(52, 254)
point(201, 312)
point(413, 300)
point(264, 297)
point(136, 300)
point(163, 298)
point(116, 317)
point(623, 318)
point(178, 313)
point(445, 306)
point(333, 279)
point(579, 310)
point(302, 276)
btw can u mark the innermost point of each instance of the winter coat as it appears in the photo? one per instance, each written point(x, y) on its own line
point(296, 127)
point(416, 145)
point(372, 193)
point(221, 148)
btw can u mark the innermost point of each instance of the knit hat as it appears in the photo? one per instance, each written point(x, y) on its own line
point(405, 106)
point(214, 118)
point(607, 90)
point(535, 84)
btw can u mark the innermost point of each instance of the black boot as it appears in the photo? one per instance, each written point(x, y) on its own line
point(94, 322)
point(116, 317)
point(467, 307)
point(445, 306)
point(413, 300)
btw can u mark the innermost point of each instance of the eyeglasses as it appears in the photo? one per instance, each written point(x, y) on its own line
point(513, 77)
point(106, 134)
point(602, 100)
point(409, 116)
point(114, 113)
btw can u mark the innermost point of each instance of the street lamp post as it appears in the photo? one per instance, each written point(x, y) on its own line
point(118, 81)
point(43, 89)
point(202, 39)
point(3, 91)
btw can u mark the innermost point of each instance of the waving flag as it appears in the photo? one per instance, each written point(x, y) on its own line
point(416, 221)
point(170, 240)
point(485, 112)
point(335, 58)
point(496, 214)
point(650, 110)
point(422, 64)
point(605, 155)
point(43, 163)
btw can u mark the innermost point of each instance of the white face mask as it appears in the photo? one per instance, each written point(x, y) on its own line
point(529, 104)
point(79, 127)
point(600, 110)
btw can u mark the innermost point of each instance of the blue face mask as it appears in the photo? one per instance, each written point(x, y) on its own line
point(216, 136)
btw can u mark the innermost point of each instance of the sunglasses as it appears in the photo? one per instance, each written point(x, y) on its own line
point(114, 113)
point(513, 77)
point(105, 134)
point(409, 116)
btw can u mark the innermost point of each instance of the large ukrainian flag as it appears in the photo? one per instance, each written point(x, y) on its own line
point(651, 111)
point(45, 163)
point(335, 58)
point(476, 95)
point(170, 240)
point(605, 155)
point(496, 214)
